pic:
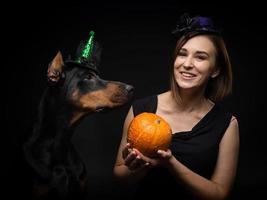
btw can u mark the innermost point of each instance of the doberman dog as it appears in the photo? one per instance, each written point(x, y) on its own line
point(74, 90)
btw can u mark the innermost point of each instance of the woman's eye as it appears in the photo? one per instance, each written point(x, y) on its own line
point(181, 54)
point(201, 57)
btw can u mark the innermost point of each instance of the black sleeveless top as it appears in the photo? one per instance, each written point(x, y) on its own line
point(197, 149)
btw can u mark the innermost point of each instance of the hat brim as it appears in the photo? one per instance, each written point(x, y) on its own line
point(75, 63)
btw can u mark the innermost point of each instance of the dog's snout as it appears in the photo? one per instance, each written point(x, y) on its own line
point(129, 88)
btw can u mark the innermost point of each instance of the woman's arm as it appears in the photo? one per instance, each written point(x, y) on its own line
point(220, 184)
point(128, 166)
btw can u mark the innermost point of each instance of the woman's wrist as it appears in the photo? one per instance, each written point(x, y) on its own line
point(170, 163)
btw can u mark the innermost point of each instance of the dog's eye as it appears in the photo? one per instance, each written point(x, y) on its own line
point(89, 76)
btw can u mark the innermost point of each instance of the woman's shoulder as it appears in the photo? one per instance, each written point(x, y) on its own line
point(234, 121)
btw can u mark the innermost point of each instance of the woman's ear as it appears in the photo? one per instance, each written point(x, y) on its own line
point(216, 72)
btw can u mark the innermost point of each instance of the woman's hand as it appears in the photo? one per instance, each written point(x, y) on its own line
point(133, 159)
point(162, 158)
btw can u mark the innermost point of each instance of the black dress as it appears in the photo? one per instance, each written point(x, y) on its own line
point(197, 149)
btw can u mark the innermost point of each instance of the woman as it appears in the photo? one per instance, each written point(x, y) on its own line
point(202, 159)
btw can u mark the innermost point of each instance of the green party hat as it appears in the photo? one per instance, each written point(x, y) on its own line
point(87, 50)
point(88, 54)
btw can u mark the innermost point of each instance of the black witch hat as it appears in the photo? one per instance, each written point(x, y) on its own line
point(198, 24)
point(88, 54)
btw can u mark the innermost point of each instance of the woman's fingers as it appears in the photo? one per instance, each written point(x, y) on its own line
point(130, 158)
point(135, 162)
point(127, 149)
point(164, 154)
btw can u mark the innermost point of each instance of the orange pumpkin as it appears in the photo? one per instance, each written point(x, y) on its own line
point(148, 133)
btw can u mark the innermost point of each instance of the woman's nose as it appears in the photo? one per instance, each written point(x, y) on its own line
point(188, 63)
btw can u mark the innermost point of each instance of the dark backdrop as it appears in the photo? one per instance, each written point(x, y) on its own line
point(137, 49)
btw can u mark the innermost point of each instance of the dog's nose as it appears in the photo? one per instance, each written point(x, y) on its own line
point(129, 88)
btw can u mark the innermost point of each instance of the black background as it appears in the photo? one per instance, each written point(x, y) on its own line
point(137, 49)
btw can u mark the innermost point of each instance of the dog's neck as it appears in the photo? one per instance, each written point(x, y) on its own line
point(55, 117)
point(52, 131)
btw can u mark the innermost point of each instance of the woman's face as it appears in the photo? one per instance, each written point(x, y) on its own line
point(195, 63)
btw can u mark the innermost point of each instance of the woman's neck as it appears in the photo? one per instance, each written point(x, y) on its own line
point(188, 102)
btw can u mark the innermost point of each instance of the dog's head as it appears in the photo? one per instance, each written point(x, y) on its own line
point(81, 87)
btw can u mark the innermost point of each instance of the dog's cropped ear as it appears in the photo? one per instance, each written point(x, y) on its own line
point(55, 69)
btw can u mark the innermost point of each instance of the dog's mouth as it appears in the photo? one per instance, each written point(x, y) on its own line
point(100, 109)
point(103, 109)
point(116, 100)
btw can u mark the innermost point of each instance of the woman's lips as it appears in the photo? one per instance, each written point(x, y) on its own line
point(187, 75)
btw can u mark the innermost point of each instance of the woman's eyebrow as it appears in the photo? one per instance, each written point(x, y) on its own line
point(202, 52)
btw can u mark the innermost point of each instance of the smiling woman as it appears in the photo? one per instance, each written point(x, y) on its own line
point(202, 158)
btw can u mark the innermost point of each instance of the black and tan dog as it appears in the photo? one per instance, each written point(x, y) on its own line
point(74, 90)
